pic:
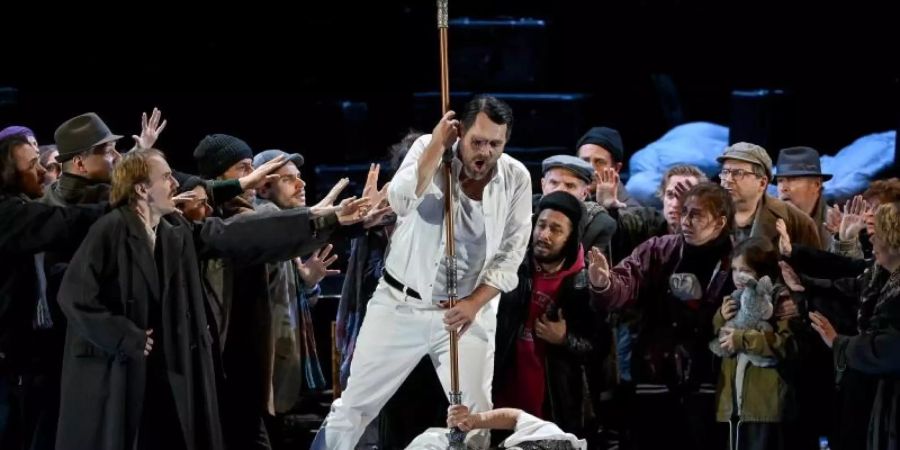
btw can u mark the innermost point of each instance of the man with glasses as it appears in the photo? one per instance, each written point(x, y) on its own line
point(87, 152)
point(746, 172)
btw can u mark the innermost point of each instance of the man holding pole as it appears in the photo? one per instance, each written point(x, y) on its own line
point(408, 316)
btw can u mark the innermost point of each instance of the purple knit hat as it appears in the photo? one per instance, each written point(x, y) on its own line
point(16, 130)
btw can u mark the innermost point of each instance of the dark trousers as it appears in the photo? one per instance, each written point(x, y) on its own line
point(755, 436)
point(29, 409)
point(159, 427)
point(245, 426)
point(669, 420)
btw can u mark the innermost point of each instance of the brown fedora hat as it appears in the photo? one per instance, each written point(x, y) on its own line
point(80, 134)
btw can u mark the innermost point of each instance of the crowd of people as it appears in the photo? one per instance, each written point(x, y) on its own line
point(147, 308)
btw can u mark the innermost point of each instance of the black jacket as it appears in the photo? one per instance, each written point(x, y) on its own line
point(563, 365)
point(875, 351)
point(27, 228)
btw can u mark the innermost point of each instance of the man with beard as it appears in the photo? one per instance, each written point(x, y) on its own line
point(87, 152)
point(569, 174)
point(406, 319)
point(545, 328)
point(293, 289)
point(27, 228)
point(138, 370)
point(241, 301)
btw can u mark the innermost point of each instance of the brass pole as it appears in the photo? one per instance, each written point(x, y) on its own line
point(456, 437)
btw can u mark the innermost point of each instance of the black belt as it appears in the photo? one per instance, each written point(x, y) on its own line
point(392, 282)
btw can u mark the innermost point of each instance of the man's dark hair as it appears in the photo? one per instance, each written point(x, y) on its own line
point(497, 110)
point(9, 178)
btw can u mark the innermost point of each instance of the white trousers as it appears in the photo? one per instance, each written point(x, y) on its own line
point(397, 332)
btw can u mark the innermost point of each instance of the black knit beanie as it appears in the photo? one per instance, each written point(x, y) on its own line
point(607, 138)
point(217, 152)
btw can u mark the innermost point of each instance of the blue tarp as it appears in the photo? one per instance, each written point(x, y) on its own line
point(699, 143)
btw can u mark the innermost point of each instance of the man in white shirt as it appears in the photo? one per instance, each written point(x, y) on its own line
point(407, 316)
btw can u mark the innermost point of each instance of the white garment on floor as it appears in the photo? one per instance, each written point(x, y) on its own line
point(528, 429)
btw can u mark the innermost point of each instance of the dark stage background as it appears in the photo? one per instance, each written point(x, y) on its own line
point(338, 82)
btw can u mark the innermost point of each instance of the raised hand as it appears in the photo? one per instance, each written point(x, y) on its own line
point(447, 130)
point(607, 190)
point(352, 210)
point(150, 129)
point(315, 268)
point(262, 174)
point(790, 277)
point(784, 239)
point(853, 219)
point(598, 269)
point(331, 197)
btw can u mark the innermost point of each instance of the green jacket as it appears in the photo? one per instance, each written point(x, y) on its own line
point(768, 394)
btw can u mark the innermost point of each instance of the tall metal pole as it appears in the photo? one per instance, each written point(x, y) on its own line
point(456, 436)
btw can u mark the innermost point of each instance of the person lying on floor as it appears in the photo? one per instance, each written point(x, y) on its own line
point(529, 432)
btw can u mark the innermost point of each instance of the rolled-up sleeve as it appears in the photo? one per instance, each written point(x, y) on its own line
point(402, 190)
point(501, 273)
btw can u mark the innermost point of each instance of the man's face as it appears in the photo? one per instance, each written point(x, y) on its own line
point(53, 168)
point(288, 191)
point(29, 171)
point(599, 158)
point(239, 170)
point(802, 192)
point(481, 146)
point(551, 231)
point(738, 179)
point(198, 208)
point(671, 202)
point(559, 179)
point(97, 163)
point(161, 187)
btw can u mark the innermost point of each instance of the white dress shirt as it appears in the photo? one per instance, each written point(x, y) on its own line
point(418, 242)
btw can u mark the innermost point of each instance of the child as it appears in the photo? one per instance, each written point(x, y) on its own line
point(752, 394)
